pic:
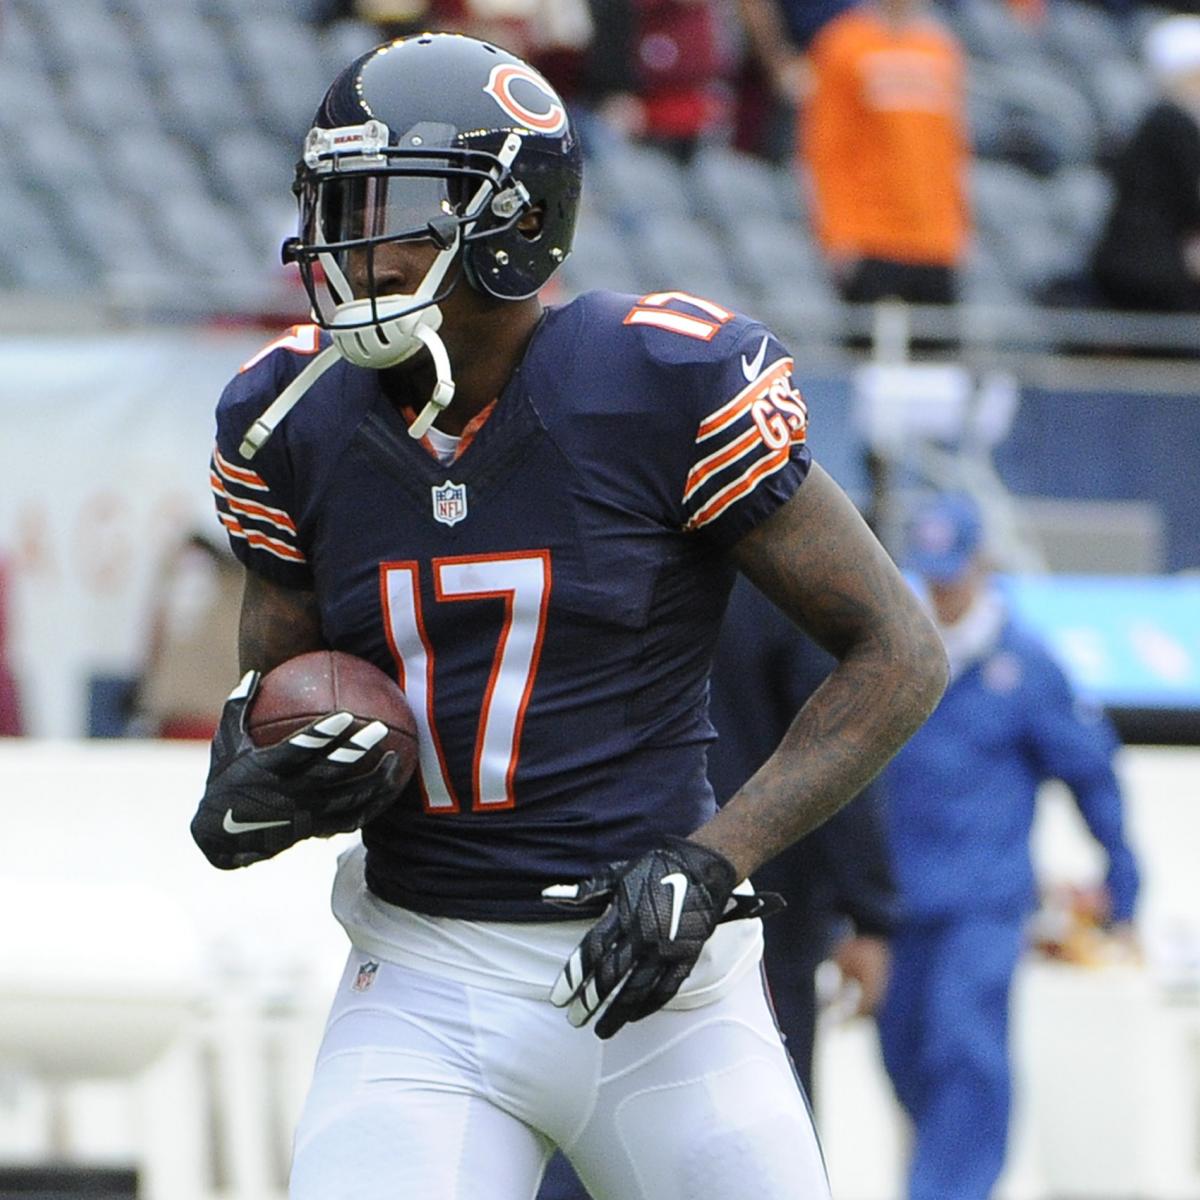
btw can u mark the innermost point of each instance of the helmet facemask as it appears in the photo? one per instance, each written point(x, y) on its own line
point(357, 194)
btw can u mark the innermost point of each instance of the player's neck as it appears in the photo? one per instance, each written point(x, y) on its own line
point(483, 358)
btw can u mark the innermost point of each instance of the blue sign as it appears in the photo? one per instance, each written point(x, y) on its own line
point(1126, 641)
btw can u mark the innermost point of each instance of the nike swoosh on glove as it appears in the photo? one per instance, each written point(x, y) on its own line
point(662, 908)
point(259, 800)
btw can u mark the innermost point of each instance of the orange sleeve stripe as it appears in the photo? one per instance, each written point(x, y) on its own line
point(238, 474)
point(260, 541)
point(732, 409)
point(274, 516)
point(707, 467)
point(734, 491)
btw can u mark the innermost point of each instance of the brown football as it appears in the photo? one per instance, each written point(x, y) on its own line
point(310, 686)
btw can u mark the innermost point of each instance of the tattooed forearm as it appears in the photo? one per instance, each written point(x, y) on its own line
point(816, 559)
point(276, 624)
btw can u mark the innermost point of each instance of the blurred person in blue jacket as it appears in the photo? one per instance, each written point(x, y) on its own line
point(960, 801)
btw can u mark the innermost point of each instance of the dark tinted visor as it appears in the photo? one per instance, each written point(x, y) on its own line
point(358, 206)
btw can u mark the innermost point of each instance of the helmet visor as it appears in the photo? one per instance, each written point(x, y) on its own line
point(358, 207)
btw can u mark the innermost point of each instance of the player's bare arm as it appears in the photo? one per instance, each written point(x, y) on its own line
point(276, 624)
point(820, 563)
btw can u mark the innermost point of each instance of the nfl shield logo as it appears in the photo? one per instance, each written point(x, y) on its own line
point(365, 976)
point(449, 502)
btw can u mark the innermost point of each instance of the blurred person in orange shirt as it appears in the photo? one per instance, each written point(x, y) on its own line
point(882, 139)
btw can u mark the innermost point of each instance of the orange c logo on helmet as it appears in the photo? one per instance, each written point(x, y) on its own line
point(499, 87)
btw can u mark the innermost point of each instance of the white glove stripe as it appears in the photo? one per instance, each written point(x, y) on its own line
point(345, 754)
point(583, 1007)
point(243, 686)
point(566, 983)
point(370, 736)
point(337, 723)
point(307, 742)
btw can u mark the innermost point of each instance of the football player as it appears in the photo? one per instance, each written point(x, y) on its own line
point(532, 517)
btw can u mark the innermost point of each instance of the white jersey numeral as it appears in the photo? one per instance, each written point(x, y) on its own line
point(654, 310)
point(522, 581)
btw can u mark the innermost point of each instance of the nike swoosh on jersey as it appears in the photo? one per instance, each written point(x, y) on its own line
point(231, 825)
point(751, 369)
point(678, 884)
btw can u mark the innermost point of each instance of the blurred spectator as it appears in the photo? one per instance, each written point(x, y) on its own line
point(1032, 12)
point(393, 18)
point(652, 70)
point(884, 144)
point(772, 76)
point(10, 706)
point(659, 71)
point(960, 799)
point(191, 656)
point(553, 34)
point(1148, 257)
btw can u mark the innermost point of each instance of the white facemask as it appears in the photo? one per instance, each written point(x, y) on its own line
point(366, 335)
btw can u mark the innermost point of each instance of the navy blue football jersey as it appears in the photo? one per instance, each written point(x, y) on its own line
point(549, 600)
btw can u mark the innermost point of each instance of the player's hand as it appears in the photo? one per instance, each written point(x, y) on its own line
point(864, 962)
point(259, 801)
point(662, 908)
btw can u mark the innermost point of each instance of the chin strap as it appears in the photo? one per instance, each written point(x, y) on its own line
point(256, 436)
point(443, 390)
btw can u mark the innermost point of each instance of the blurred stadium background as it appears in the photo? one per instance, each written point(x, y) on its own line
point(157, 1022)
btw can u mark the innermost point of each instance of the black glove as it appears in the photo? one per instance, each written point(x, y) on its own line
point(259, 801)
point(662, 909)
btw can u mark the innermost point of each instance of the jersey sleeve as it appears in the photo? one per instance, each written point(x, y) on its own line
point(254, 500)
point(750, 452)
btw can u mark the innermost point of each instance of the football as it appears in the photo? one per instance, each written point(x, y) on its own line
point(313, 685)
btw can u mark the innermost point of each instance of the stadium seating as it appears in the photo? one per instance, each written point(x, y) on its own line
point(192, 110)
point(601, 256)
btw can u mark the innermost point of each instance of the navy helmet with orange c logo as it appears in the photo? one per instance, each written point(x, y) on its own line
point(441, 137)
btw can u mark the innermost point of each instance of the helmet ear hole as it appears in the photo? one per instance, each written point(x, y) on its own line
point(531, 225)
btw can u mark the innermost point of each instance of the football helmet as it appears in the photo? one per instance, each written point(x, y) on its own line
point(438, 138)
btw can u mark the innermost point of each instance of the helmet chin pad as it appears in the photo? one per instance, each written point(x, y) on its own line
point(385, 340)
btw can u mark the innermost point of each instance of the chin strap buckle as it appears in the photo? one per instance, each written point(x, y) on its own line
point(443, 390)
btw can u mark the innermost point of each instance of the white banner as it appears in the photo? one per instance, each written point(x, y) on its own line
point(104, 462)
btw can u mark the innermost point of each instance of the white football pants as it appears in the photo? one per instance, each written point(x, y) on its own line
point(431, 1089)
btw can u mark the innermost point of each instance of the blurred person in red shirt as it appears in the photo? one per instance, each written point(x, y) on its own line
point(552, 35)
point(773, 73)
point(659, 71)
